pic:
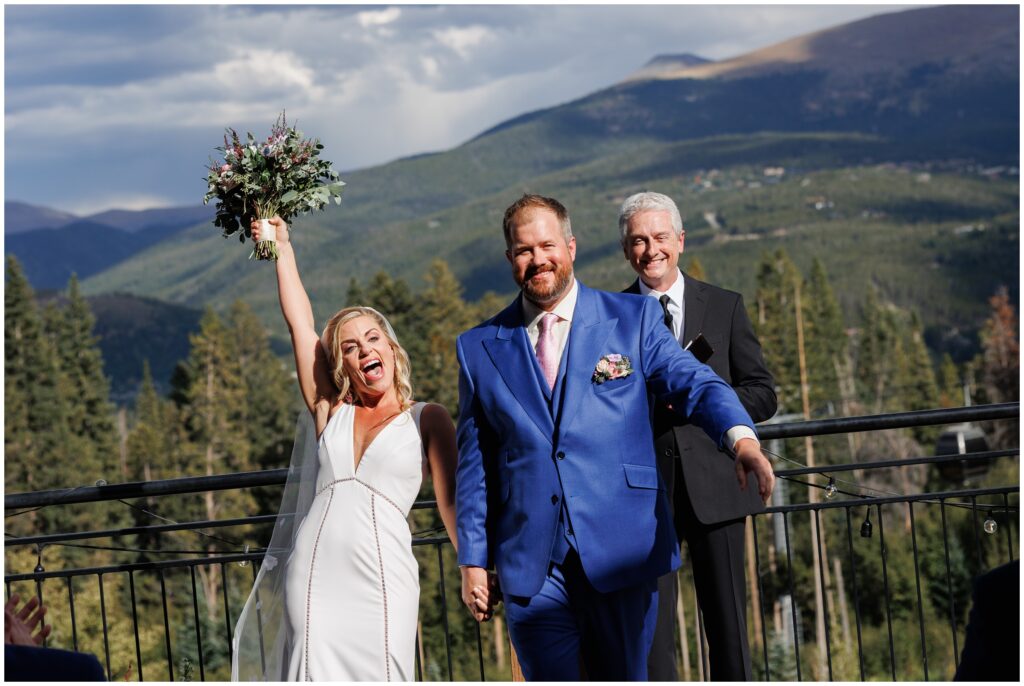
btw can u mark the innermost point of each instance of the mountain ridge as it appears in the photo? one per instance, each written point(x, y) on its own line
point(907, 38)
point(22, 217)
point(659, 133)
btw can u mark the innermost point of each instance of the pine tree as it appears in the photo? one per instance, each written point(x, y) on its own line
point(950, 390)
point(154, 450)
point(271, 399)
point(774, 319)
point(916, 381)
point(214, 413)
point(22, 333)
point(826, 340)
point(1001, 351)
point(445, 315)
point(355, 295)
point(90, 412)
point(879, 353)
point(35, 435)
point(1000, 364)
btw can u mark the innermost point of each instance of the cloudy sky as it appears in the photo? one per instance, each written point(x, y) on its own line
point(121, 106)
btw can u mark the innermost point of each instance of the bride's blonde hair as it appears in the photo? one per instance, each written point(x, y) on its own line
point(332, 346)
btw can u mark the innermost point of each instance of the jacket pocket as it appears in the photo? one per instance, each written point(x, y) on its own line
point(612, 384)
point(641, 476)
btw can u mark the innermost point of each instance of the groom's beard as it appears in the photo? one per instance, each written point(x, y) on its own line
point(543, 294)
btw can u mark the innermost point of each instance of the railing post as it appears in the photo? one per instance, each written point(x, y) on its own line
point(135, 620)
point(103, 615)
point(888, 597)
point(199, 630)
point(167, 627)
point(920, 601)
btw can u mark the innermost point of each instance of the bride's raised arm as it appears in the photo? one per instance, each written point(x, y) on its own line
point(311, 363)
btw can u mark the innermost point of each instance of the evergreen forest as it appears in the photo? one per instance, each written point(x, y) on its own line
point(232, 405)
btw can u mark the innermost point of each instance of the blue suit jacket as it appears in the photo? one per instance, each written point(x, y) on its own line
point(521, 452)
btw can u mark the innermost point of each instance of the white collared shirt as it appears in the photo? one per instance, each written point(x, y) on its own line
point(675, 302)
point(563, 310)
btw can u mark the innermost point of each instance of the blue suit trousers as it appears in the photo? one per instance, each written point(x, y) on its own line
point(569, 623)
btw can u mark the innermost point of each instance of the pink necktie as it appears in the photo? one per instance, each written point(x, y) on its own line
point(547, 350)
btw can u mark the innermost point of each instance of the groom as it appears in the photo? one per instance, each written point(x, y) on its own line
point(557, 486)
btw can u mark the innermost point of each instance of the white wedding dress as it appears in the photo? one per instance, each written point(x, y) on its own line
point(351, 581)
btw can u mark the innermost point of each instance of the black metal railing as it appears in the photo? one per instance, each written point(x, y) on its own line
point(173, 626)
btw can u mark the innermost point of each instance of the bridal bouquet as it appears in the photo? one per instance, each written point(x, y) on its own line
point(283, 175)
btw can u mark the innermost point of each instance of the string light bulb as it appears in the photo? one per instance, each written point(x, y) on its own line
point(831, 490)
point(865, 528)
point(990, 525)
point(244, 563)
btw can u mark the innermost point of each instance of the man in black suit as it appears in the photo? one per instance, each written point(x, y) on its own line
point(710, 508)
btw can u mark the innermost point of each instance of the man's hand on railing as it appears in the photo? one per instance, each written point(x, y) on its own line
point(750, 459)
point(24, 627)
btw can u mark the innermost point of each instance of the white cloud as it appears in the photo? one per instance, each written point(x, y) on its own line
point(461, 40)
point(378, 17)
point(250, 81)
point(121, 201)
point(430, 66)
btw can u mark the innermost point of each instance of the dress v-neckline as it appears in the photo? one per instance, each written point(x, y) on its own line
point(357, 463)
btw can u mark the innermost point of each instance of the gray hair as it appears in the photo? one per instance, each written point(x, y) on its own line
point(646, 201)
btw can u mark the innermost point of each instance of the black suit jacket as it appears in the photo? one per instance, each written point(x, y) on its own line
point(710, 474)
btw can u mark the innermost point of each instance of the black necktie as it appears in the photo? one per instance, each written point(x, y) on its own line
point(668, 315)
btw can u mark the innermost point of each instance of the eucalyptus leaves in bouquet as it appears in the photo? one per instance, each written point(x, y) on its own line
point(283, 175)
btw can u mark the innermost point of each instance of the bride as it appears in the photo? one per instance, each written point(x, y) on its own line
point(337, 594)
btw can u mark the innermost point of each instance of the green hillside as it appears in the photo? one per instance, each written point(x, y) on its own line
point(900, 169)
point(888, 219)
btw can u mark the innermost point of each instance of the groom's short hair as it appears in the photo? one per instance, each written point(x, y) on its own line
point(529, 202)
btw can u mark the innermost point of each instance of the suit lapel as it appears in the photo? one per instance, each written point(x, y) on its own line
point(696, 300)
point(515, 361)
point(585, 347)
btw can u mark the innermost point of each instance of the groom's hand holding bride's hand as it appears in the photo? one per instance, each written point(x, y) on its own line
point(479, 592)
point(749, 458)
point(280, 228)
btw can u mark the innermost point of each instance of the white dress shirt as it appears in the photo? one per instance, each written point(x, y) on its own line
point(675, 302)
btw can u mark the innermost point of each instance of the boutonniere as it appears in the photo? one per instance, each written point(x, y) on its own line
point(613, 366)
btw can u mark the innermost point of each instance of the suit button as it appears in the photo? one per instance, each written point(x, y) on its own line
point(668, 452)
point(561, 455)
point(554, 500)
